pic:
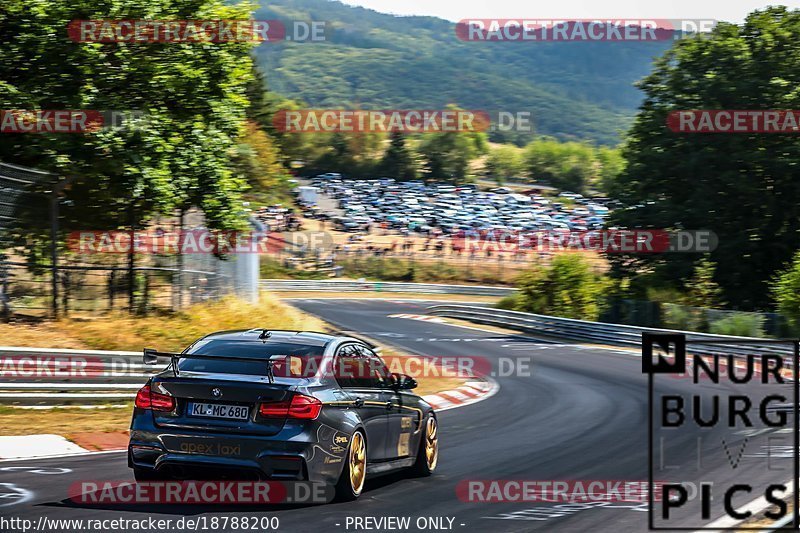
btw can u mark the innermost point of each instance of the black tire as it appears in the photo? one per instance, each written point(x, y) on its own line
point(423, 467)
point(345, 490)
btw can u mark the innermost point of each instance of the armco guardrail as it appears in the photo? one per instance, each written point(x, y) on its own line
point(381, 286)
point(47, 377)
point(603, 333)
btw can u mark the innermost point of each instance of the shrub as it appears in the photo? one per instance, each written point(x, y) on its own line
point(680, 317)
point(569, 287)
point(512, 302)
point(739, 324)
point(786, 292)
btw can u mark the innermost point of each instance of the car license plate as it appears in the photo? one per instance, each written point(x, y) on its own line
point(215, 410)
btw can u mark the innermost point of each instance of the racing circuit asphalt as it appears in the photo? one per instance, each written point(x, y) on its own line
point(581, 415)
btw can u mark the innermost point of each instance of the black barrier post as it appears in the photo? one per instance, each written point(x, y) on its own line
point(54, 251)
point(145, 293)
point(111, 284)
point(55, 197)
point(65, 280)
point(131, 264)
point(4, 297)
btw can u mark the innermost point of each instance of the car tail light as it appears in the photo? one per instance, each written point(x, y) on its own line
point(147, 399)
point(302, 407)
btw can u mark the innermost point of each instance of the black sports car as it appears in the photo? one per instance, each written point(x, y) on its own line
point(280, 405)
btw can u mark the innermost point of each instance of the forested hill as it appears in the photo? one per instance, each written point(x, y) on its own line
point(575, 90)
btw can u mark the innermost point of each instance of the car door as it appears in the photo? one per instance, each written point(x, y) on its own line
point(402, 421)
point(365, 389)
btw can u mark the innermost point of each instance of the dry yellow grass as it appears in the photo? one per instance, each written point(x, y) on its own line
point(172, 331)
point(175, 331)
point(38, 336)
point(63, 421)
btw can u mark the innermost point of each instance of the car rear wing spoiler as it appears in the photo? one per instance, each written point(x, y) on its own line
point(150, 357)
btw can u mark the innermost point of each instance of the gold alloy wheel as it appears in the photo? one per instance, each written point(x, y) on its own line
point(431, 444)
point(358, 462)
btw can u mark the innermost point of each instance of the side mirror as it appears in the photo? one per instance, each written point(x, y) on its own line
point(150, 356)
point(404, 382)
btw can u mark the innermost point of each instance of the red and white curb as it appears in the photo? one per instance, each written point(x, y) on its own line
point(423, 318)
point(469, 393)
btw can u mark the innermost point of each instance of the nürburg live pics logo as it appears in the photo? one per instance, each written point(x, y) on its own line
point(722, 439)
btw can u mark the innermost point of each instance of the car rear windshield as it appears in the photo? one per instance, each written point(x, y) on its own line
point(300, 358)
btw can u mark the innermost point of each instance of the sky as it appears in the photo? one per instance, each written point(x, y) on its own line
point(454, 10)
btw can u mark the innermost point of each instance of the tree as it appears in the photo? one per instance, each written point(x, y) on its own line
point(701, 289)
point(397, 161)
point(505, 161)
point(447, 155)
point(612, 165)
point(258, 160)
point(192, 98)
point(742, 186)
point(569, 287)
point(786, 292)
point(568, 166)
point(295, 147)
point(339, 156)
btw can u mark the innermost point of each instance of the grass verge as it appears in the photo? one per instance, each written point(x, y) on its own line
point(63, 421)
point(165, 331)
